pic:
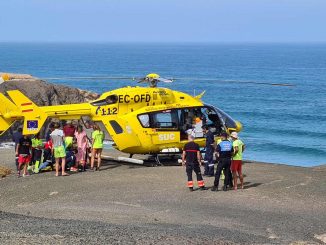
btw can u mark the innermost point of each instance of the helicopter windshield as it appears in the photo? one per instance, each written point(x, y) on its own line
point(228, 120)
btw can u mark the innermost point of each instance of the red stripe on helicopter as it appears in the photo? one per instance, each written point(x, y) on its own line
point(30, 110)
point(28, 103)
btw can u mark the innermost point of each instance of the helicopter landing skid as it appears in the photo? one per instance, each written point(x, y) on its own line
point(157, 161)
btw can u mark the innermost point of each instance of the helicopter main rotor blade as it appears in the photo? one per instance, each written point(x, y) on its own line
point(90, 78)
point(168, 80)
point(232, 81)
point(165, 80)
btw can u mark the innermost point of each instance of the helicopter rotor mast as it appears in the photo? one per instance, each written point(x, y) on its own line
point(153, 79)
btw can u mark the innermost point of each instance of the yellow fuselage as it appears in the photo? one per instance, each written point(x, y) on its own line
point(121, 112)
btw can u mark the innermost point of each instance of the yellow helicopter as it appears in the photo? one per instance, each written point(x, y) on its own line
point(140, 120)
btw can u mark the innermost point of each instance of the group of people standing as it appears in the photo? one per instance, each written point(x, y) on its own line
point(67, 148)
point(228, 154)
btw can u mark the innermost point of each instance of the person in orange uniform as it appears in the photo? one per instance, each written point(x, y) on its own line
point(191, 159)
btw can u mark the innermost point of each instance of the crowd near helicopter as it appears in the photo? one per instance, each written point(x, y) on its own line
point(140, 120)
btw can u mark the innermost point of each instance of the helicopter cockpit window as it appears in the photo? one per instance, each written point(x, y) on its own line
point(144, 120)
point(111, 99)
point(229, 122)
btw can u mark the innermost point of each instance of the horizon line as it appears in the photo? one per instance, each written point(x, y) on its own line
point(162, 42)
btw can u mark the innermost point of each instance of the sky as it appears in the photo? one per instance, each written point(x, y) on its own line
point(163, 21)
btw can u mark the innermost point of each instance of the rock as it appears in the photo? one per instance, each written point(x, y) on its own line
point(44, 93)
point(4, 171)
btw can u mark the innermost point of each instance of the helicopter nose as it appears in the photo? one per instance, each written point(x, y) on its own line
point(239, 126)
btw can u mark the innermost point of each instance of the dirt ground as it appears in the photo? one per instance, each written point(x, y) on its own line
point(132, 204)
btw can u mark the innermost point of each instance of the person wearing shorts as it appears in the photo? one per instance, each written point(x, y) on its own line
point(69, 133)
point(58, 150)
point(236, 165)
point(97, 146)
point(23, 152)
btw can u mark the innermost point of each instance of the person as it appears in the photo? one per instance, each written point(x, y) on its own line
point(97, 146)
point(51, 128)
point(71, 159)
point(48, 158)
point(88, 130)
point(69, 133)
point(37, 146)
point(224, 151)
point(236, 165)
point(191, 159)
point(23, 151)
point(82, 143)
point(58, 150)
point(16, 136)
point(209, 155)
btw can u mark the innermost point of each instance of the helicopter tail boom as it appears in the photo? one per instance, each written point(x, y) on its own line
point(6, 109)
point(22, 108)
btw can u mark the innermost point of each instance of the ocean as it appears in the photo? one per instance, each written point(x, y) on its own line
point(281, 124)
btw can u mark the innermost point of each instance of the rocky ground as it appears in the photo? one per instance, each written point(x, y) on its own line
point(132, 204)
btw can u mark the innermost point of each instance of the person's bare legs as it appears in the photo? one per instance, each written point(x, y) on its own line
point(93, 158)
point(63, 167)
point(19, 168)
point(241, 178)
point(235, 180)
point(57, 166)
point(25, 168)
point(99, 159)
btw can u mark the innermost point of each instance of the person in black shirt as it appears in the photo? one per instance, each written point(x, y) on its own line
point(224, 151)
point(191, 159)
point(23, 152)
point(209, 154)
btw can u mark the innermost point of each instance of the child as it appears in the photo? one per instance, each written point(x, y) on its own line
point(58, 150)
point(82, 143)
point(23, 151)
point(97, 146)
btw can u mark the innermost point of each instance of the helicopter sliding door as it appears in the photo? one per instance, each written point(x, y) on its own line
point(166, 125)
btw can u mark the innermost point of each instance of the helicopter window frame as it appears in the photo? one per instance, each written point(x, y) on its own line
point(116, 126)
point(109, 100)
point(161, 124)
point(142, 123)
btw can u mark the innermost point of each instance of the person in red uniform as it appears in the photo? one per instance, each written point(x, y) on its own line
point(191, 159)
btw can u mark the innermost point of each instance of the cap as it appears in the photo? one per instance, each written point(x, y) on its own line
point(234, 135)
